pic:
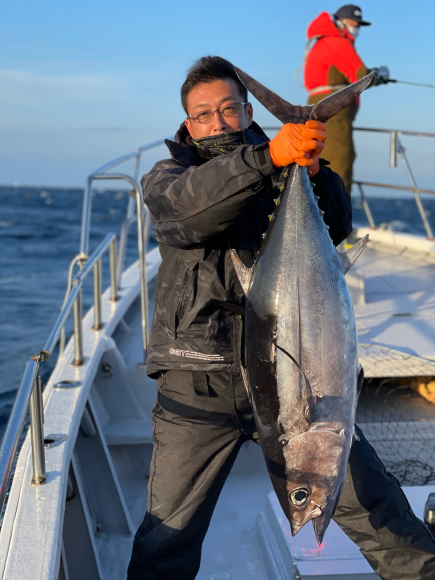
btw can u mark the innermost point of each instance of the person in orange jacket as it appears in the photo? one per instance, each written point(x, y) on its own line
point(332, 64)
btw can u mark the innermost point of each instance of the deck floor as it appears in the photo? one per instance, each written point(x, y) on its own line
point(400, 299)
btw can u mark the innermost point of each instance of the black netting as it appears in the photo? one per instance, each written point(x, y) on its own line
point(400, 424)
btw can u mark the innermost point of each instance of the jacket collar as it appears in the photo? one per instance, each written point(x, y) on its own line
point(324, 25)
point(188, 155)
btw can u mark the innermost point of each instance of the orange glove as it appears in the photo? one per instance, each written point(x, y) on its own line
point(297, 143)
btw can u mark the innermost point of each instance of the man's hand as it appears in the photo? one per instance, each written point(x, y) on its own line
point(297, 143)
point(382, 76)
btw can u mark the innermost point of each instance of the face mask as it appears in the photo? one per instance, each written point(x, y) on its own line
point(353, 30)
point(215, 145)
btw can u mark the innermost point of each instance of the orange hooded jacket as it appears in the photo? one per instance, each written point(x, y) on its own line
point(333, 59)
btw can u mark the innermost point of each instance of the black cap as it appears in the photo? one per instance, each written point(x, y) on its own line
point(353, 13)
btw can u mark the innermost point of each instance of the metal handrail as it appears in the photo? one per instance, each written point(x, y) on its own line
point(398, 131)
point(142, 225)
point(29, 396)
point(87, 199)
point(366, 206)
point(30, 392)
point(388, 186)
point(374, 130)
point(116, 161)
point(122, 250)
point(396, 148)
point(142, 231)
point(128, 156)
point(77, 285)
point(15, 428)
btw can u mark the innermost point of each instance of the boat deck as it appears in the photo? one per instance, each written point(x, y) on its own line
point(397, 309)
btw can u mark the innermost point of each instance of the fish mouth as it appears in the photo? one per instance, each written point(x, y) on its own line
point(321, 517)
point(296, 525)
point(320, 525)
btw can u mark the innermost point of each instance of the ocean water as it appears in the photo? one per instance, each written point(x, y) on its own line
point(40, 235)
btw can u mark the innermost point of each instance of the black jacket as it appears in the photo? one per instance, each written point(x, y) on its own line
point(199, 210)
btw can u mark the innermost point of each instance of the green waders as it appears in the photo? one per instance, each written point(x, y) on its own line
point(339, 149)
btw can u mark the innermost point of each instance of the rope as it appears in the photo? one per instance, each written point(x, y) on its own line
point(304, 59)
point(325, 88)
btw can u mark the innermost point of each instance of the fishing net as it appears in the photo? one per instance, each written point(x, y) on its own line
point(400, 424)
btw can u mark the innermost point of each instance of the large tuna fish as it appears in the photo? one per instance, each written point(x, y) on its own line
point(301, 342)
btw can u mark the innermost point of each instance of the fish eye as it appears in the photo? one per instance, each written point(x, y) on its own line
point(300, 495)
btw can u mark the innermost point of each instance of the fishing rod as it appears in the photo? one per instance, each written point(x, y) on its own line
point(411, 83)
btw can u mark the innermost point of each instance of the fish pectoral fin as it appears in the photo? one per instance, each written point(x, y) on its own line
point(309, 400)
point(350, 257)
point(245, 378)
point(360, 380)
point(244, 274)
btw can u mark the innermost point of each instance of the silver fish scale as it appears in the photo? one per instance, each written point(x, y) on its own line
point(302, 283)
point(302, 357)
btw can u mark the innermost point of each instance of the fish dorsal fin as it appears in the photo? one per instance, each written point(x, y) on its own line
point(349, 258)
point(244, 274)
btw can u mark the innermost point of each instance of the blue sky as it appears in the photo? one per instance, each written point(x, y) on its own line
point(86, 81)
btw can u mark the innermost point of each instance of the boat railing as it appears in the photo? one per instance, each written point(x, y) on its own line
point(396, 149)
point(135, 212)
point(101, 173)
point(29, 396)
point(143, 224)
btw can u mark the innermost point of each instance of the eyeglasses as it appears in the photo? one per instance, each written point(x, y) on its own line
point(226, 111)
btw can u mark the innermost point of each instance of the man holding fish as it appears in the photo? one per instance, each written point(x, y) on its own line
point(210, 205)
